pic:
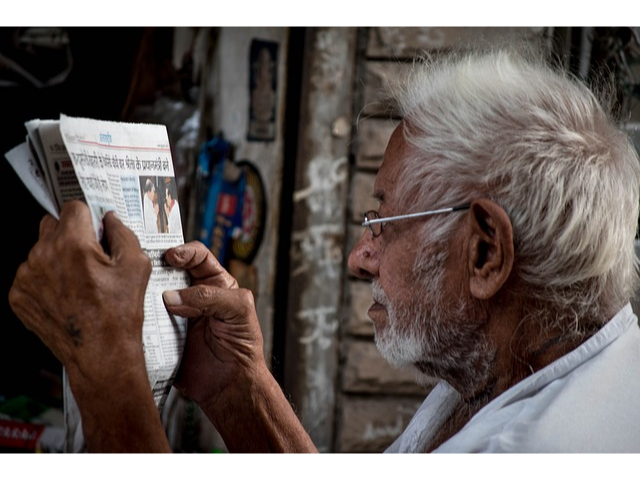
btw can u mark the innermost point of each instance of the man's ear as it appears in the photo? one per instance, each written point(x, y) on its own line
point(490, 249)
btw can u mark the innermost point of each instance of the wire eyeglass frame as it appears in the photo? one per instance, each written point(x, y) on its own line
point(375, 223)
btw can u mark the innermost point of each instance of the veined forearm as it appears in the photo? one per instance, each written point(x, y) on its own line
point(120, 415)
point(259, 419)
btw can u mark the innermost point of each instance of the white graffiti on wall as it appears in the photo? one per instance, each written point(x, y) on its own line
point(328, 69)
point(318, 246)
point(322, 323)
point(320, 395)
point(317, 251)
point(324, 175)
point(372, 432)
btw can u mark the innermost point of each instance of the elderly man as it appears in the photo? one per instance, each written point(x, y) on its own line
point(501, 260)
point(517, 297)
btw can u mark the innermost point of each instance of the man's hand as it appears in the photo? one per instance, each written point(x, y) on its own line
point(84, 304)
point(223, 334)
point(87, 306)
point(223, 367)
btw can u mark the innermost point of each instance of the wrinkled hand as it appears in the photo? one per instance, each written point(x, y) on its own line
point(224, 346)
point(85, 304)
point(223, 367)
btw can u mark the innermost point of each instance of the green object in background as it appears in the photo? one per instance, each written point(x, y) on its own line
point(22, 408)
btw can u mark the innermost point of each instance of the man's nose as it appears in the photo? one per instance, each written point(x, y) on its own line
point(363, 259)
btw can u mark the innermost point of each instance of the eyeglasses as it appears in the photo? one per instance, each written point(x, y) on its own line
point(375, 223)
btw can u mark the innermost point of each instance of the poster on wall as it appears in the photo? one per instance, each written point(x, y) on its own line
point(263, 82)
point(234, 214)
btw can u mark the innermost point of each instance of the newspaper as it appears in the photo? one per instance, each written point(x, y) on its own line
point(128, 168)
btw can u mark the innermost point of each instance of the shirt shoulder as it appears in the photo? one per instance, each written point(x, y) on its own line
point(586, 401)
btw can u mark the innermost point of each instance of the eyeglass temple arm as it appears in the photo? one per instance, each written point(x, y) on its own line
point(419, 214)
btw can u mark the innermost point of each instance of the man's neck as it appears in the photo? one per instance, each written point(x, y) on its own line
point(521, 348)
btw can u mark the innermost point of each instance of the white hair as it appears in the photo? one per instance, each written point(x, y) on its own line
point(503, 124)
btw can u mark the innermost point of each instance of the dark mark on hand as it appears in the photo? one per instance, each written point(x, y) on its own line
point(74, 332)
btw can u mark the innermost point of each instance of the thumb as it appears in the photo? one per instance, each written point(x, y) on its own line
point(202, 265)
point(75, 220)
point(206, 300)
point(120, 239)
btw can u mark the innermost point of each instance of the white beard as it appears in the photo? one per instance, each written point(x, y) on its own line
point(440, 339)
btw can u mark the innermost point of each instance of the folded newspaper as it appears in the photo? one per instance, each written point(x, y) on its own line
point(126, 167)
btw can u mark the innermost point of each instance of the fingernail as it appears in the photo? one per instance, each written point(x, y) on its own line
point(171, 297)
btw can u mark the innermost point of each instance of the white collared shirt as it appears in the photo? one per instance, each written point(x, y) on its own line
point(586, 401)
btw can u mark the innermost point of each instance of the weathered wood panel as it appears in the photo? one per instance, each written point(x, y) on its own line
point(376, 76)
point(361, 195)
point(407, 42)
point(354, 232)
point(318, 231)
point(372, 424)
point(359, 300)
point(366, 371)
point(371, 141)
